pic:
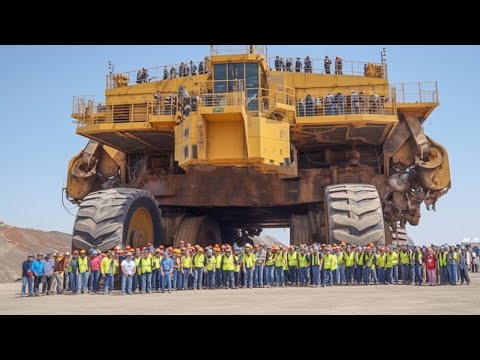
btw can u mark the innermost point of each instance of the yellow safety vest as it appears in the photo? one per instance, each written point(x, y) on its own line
point(249, 260)
point(381, 259)
point(339, 258)
point(334, 262)
point(270, 259)
point(147, 265)
point(228, 263)
point(419, 257)
point(315, 259)
point(137, 262)
point(198, 260)
point(237, 266)
point(211, 261)
point(186, 262)
point(349, 259)
point(279, 259)
point(404, 257)
point(218, 261)
point(389, 260)
point(83, 264)
point(292, 259)
point(359, 260)
point(442, 259)
point(369, 259)
point(328, 261)
point(302, 260)
point(105, 266)
point(156, 262)
point(394, 258)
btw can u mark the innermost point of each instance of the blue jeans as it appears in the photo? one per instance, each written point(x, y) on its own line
point(93, 280)
point(197, 277)
point(418, 274)
point(342, 274)
point(327, 277)
point(358, 274)
point(269, 274)
point(366, 274)
point(349, 270)
point(405, 273)
point(316, 275)
point(388, 275)
point(335, 276)
point(107, 283)
point(373, 273)
point(27, 280)
point(211, 279)
point(146, 282)
point(412, 273)
point(258, 280)
point(174, 278)
point(452, 274)
point(126, 284)
point(303, 275)
point(248, 279)
point(83, 282)
point(218, 278)
point(293, 274)
point(228, 276)
point(186, 273)
point(156, 280)
point(73, 280)
point(394, 274)
point(381, 275)
point(443, 275)
point(166, 281)
point(279, 278)
point(137, 280)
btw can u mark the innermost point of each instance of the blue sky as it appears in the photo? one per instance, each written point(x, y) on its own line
point(37, 135)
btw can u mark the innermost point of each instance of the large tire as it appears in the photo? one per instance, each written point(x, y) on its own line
point(300, 230)
point(108, 218)
point(201, 230)
point(354, 214)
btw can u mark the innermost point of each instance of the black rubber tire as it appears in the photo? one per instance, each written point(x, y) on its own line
point(353, 214)
point(103, 217)
point(300, 230)
point(201, 230)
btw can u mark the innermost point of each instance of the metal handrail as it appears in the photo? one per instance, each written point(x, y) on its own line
point(416, 92)
point(237, 49)
point(221, 99)
point(348, 67)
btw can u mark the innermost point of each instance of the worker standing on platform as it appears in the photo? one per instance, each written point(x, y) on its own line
point(293, 267)
point(278, 64)
point(308, 65)
point(298, 65)
point(338, 65)
point(326, 64)
point(198, 268)
point(248, 264)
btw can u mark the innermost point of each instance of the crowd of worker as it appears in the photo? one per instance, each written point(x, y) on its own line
point(190, 267)
point(184, 70)
point(288, 65)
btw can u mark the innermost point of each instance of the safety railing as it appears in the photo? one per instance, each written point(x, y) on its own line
point(339, 104)
point(157, 73)
point(221, 100)
point(237, 49)
point(276, 94)
point(331, 66)
point(416, 92)
point(85, 109)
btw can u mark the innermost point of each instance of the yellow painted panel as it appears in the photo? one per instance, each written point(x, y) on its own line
point(347, 119)
point(226, 140)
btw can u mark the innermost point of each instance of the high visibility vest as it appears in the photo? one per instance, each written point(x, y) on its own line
point(199, 260)
point(381, 259)
point(339, 258)
point(105, 266)
point(228, 263)
point(83, 264)
point(302, 260)
point(389, 261)
point(359, 260)
point(211, 262)
point(279, 259)
point(369, 260)
point(237, 265)
point(329, 261)
point(349, 259)
point(270, 259)
point(394, 258)
point(218, 261)
point(334, 262)
point(315, 259)
point(442, 259)
point(147, 265)
point(249, 260)
point(137, 262)
point(292, 259)
point(404, 257)
point(419, 257)
point(156, 262)
point(187, 262)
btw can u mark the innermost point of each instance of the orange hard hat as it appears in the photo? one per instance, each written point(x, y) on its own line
point(216, 248)
point(83, 251)
point(120, 251)
point(371, 245)
point(343, 243)
point(128, 247)
point(182, 242)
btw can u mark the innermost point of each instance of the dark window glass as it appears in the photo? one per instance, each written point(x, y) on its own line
point(220, 77)
point(251, 71)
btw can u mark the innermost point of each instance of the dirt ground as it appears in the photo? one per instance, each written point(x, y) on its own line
point(392, 299)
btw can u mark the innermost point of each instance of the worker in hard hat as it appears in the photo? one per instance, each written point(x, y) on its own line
point(270, 266)
point(95, 260)
point(359, 265)
point(238, 265)
point(248, 265)
point(303, 265)
point(369, 268)
point(316, 261)
point(339, 272)
point(83, 270)
point(146, 269)
point(381, 261)
point(72, 269)
point(405, 256)
point(329, 262)
point(293, 269)
point(442, 265)
point(394, 255)
point(210, 267)
point(228, 267)
point(166, 271)
point(260, 256)
point(156, 255)
point(349, 262)
point(452, 265)
point(109, 269)
point(285, 265)
point(218, 266)
point(59, 270)
point(187, 266)
point(137, 277)
point(27, 275)
point(389, 265)
point(198, 269)
point(418, 265)
point(128, 271)
point(177, 270)
point(279, 262)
